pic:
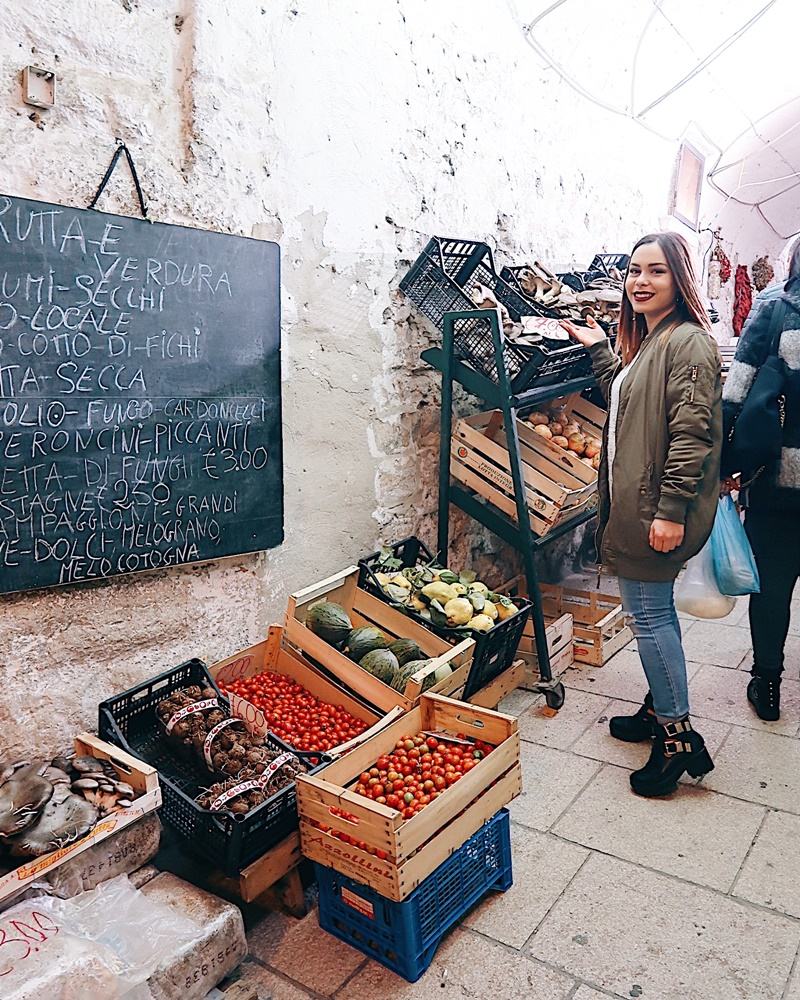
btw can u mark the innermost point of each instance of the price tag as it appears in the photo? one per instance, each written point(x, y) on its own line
point(198, 706)
point(212, 735)
point(251, 783)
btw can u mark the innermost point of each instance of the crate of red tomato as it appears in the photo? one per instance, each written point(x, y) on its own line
point(275, 690)
point(389, 812)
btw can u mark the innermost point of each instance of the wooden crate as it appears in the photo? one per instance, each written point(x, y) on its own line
point(558, 486)
point(559, 637)
point(271, 655)
point(600, 626)
point(364, 609)
point(324, 796)
point(575, 408)
point(140, 776)
point(493, 693)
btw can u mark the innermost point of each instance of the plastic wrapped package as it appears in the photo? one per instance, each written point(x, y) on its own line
point(734, 564)
point(101, 945)
point(698, 593)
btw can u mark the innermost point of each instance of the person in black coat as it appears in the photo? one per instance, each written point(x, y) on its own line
point(772, 498)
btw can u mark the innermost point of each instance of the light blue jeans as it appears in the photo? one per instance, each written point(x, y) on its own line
point(658, 636)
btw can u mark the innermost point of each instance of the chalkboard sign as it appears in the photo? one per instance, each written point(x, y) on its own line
point(140, 412)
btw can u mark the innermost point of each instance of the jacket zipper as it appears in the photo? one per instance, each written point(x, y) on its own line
point(693, 370)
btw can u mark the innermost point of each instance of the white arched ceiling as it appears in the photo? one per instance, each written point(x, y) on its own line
point(725, 68)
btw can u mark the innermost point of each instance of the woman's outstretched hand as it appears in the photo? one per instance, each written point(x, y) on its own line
point(592, 333)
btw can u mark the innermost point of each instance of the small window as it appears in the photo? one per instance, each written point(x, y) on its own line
point(688, 183)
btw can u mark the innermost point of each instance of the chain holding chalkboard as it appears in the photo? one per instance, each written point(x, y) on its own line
point(121, 148)
point(140, 409)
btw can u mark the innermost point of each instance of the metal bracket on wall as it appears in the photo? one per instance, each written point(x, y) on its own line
point(39, 87)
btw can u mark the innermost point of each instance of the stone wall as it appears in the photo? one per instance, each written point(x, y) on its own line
point(349, 131)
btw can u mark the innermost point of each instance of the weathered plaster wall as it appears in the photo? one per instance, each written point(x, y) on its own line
point(350, 131)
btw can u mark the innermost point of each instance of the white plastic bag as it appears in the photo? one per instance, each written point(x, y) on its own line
point(101, 945)
point(698, 593)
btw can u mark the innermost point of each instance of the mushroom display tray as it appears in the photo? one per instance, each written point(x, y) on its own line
point(232, 842)
point(441, 280)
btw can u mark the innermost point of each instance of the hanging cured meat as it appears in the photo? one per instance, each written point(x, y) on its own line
point(742, 298)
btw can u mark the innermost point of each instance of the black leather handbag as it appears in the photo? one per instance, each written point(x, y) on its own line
point(755, 438)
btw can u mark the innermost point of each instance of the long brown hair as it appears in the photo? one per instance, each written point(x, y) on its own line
point(688, 304)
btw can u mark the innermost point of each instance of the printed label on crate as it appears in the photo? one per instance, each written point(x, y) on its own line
point(360, 905)
point(546, 327)
point(198, 706)
point(251, 783)
point(212, 736)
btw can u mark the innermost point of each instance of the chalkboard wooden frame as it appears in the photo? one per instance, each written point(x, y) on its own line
point(140, 395)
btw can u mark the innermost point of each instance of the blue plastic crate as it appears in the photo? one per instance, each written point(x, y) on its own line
point(404, 936)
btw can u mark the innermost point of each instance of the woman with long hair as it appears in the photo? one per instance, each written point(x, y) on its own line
point(658, 483)
point(772, 498)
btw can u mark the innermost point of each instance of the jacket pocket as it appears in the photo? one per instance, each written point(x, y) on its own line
point(648, 492)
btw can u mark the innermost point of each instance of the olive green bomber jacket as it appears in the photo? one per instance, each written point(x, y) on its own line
point(668, 444)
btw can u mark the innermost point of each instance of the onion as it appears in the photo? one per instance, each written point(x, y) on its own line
point(596, 461)
point(542, 430)
point(593, 447)
point(561, 441)
point(537, 418)
point(576, 443)
point(556, 428)
point(571, 428)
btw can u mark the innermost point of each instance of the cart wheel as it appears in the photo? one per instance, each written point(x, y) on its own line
point(555, 697)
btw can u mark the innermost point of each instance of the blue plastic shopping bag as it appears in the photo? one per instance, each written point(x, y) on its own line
point(734, 565)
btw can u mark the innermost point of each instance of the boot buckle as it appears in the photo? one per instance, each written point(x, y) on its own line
point(673, 747)
point(674, 728)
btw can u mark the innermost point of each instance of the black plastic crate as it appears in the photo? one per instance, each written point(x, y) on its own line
point(404, 936)
point(539, 365)
point(605, 261)
point(495, 650)
point(441, 280)
point(231, 841)
point(511, 276)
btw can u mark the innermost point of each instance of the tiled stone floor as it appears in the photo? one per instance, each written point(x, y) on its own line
point(692, 897)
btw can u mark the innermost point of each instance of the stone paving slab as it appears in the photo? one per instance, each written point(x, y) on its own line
point(301, 950)
point(793, 990)
point(713, 642)
point(269, 985)
point(542, 868)
point(719, 693)
point(693, 833)
point(550, 781)
point(759, 767)
point(771, 874)
point(475, 968)
point(587, 993)
point(621, 677)
point(619, 926)
point(579, 711)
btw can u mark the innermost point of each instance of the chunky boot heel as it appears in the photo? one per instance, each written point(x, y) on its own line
point(764, 694)
point(635, 728)
point(700, 764)
point(677, 749)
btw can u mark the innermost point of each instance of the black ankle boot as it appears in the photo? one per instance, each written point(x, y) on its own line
point(764, 694)
point(637, 727)
point(676, 748)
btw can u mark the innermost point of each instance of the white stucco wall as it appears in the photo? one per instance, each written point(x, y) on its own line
point(349, 131)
